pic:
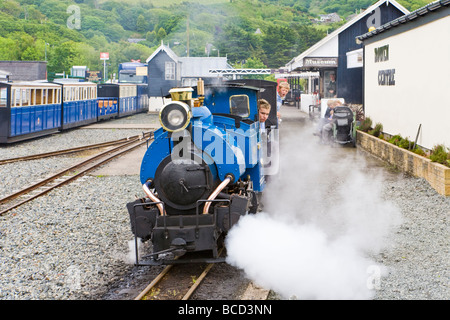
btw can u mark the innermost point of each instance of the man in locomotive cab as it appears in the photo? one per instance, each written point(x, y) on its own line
point(263, 113)
point(265, 131)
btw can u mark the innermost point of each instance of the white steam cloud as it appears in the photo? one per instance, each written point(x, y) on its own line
point(322, 220)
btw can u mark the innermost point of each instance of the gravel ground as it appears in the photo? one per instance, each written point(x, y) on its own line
point(73, 243)
point(73, 251)
point(417, 258)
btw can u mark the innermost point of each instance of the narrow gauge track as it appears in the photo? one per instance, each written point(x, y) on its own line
point(176, 282)
point(65, 176)
point(72, 150)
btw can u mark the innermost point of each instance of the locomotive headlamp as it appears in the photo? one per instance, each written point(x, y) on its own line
point(175, 116)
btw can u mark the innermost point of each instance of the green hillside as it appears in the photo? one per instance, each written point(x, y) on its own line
point(255, 33)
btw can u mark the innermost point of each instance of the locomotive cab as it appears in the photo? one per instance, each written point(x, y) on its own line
point(201, 173)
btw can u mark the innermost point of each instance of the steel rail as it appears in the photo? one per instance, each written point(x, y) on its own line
point(197, 282)
point(73, 150)
point(154, 282)
point(112, 154)
point(165, 272)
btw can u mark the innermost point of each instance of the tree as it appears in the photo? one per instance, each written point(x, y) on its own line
point(62, 57)
point(151, 37)
point(236, 43)
point(141, 24)
point(161, 34)
point(8, 49)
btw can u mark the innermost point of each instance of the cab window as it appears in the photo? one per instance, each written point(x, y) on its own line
point(239, 105)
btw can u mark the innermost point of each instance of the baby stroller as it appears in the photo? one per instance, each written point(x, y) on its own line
point(344, 130)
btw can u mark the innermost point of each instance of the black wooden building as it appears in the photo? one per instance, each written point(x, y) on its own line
point(340, 55)
point(166, 70)
point(163, 71)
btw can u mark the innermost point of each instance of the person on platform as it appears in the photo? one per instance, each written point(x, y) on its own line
point(328, 126)
point(263, 113)
point(331, 89)
point(327, 118)
point(282, 91)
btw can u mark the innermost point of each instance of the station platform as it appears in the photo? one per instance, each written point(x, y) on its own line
point(292, 113)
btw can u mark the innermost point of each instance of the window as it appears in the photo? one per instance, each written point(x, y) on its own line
point(239, 106)
point(170, 70)
point(3, 97)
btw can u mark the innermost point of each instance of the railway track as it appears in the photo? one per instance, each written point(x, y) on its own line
point(73, 150)
point(176, 282)
point(67, 175)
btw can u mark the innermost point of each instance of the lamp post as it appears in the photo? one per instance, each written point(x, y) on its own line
point(45, 50)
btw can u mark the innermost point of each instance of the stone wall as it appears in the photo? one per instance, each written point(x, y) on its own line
point(436, 174)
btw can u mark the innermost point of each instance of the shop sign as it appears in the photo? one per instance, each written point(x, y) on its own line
point(382, 53)
point(386, 77)
point(320, 62)
point(104, 55)
point(93, 76)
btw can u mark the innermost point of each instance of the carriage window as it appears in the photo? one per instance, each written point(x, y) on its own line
point(93, 93)
point(239, 105)
point(2, 97)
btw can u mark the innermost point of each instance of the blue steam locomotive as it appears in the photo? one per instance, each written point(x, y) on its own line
point(37, 108)
point(202, 172)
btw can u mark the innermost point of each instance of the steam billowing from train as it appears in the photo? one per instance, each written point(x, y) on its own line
point(323, 220)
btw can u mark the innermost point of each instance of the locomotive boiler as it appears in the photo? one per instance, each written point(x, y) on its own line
point(201, 173)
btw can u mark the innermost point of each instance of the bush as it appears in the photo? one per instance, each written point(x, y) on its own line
point(419, 151)
point(395, 139)
point(405, 143)
point(440, 155)
point(366, 124)
point(401, 142)
point(377, 130)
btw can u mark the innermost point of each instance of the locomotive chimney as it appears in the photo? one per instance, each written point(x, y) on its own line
point(200, 92)
point(182, 94)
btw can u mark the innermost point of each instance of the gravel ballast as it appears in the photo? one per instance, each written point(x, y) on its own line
point(74, 242)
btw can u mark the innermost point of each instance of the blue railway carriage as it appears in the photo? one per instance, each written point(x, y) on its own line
point(133, 98)
point(127, 99)
point(79, 103)
point(29, 109)
point(121, 99)
point(142, 98)
point(107, 101)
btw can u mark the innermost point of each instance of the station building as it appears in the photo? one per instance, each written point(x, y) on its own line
point(339, 56)
point(167, 70)
point(23, 70)
point(406, 75)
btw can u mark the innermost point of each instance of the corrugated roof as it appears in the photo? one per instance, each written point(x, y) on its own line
point(193, 66)
point(436, 5)
point(199, 66)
